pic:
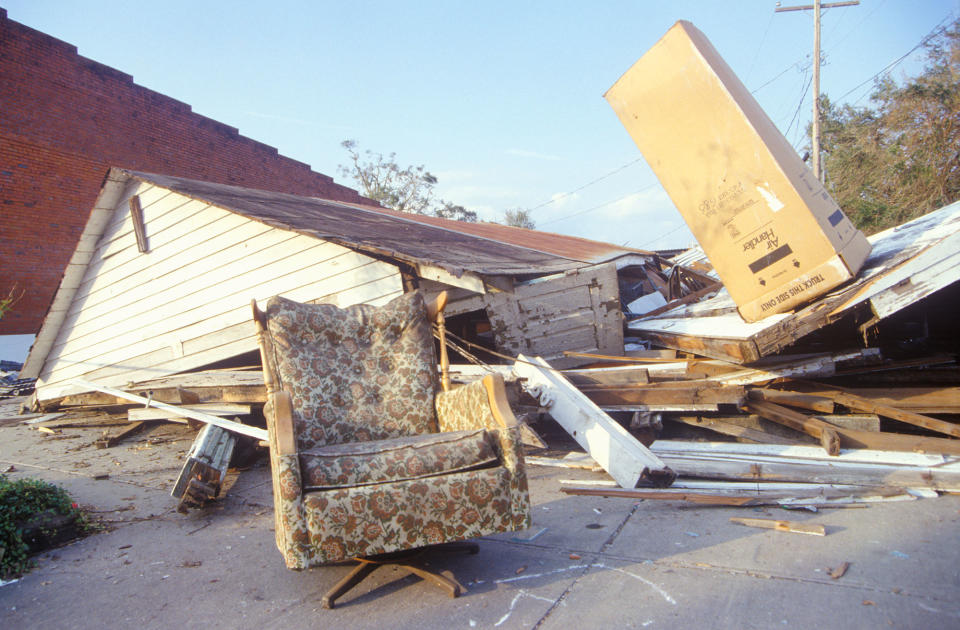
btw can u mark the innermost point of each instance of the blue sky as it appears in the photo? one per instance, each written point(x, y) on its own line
point(501, 100)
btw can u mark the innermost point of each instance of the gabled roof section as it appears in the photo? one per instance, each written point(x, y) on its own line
point(453, 245)
point(572, 247)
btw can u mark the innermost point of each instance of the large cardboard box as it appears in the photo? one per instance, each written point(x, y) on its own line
point(772, 232)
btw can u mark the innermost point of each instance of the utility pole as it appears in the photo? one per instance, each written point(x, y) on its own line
point(815, 126)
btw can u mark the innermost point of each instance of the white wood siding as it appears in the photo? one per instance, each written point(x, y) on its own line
point(186, 302)
point(578, 311)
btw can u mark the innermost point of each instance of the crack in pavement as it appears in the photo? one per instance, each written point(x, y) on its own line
point(586, 567)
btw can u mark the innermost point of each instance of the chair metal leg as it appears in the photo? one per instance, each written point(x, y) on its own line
point(353, 578)
point(410, 561)
point(451, 587)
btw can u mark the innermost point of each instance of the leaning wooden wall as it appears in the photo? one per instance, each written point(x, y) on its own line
point(185, 302)
point(577, 311)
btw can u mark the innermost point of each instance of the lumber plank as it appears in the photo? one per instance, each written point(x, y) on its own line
point(551, 462)
point(215, 409)
point(181, 389)
point(718, 425)
point(796, 366)
point(112, 440)
point(852, 438)
point(767, 462)
point(608, 377)
point(813, 427)
point(820, 404)
point(621, 454)
point(735, 350)
point(794, 527)
point(853, 401)
point(923, 400)
point(675, 393)
point(679, 408)
point(690, 497)
point(766, 489)
point(236, 427)
point(860, 422)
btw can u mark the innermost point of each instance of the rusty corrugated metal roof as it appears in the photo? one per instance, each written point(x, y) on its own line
point(483, 248)
point(572, 247)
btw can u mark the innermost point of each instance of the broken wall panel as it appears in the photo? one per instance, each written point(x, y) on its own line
point(578, 310)
point(768, 462)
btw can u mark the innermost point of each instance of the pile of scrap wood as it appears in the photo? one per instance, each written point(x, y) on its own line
point(860, 387)
point(211, 402)
point(660, 285)
point(10, 384)
point(812, 420)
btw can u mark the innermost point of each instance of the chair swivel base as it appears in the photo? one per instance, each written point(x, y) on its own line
point(409, 560)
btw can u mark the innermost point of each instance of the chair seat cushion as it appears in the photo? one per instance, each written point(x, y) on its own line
point(395, 459)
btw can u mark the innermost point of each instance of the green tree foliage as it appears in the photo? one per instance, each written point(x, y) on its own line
point(6, 303)
point(448, 210)
point(518, 217)
point(407, 189)
point(899, 159)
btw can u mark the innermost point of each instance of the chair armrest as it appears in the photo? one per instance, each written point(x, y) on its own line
point(499, 406)
point(279, 414)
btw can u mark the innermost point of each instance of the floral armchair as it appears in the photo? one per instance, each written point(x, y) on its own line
point(368, 458)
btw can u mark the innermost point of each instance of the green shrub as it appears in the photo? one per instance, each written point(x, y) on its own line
point(24, 500)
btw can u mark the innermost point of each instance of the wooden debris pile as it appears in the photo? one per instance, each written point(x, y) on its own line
point(660, 285)
point(796, 431)
point(212, 403)
point(11, 385)
point(853, 397)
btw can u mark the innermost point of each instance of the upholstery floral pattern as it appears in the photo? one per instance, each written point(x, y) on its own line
point(470, 406)
point(465, 407)
point(366, 520)
point(396, 459)
point(362, 374)
point(355, 374)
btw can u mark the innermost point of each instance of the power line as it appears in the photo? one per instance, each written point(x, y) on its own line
point(676, 229)
point(803, 97)
point(793, 65)
point(597, 207)
point(937, 30)
point(590, 183)
point(756, 55)
point(856, 28)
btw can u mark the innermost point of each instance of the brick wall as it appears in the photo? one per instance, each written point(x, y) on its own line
point(64, 120)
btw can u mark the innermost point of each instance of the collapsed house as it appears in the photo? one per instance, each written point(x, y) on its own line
point(820, 392)
point(165, 270)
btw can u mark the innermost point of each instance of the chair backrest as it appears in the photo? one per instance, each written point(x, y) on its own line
point(354, 374)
